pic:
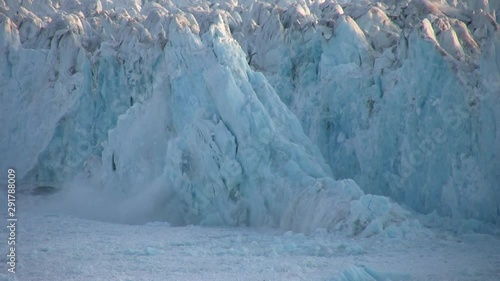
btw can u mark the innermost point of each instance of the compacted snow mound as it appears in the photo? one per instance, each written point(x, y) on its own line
point(243, 113)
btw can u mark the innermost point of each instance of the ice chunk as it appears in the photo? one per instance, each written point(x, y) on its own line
point(363, 273)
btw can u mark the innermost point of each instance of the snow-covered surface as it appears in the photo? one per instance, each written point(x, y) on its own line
point(61, 247)
point(366, 119)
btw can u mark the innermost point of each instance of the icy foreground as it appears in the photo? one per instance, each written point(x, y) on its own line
point(244, 113)
point(155, 251)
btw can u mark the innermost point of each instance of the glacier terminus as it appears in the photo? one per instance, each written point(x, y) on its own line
point(281, 122)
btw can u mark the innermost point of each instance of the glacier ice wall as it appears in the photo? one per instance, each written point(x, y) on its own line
point(400, 96)
point(235, 113)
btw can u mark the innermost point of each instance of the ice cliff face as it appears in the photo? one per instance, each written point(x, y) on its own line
point(244, 112)
point(401, 96)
